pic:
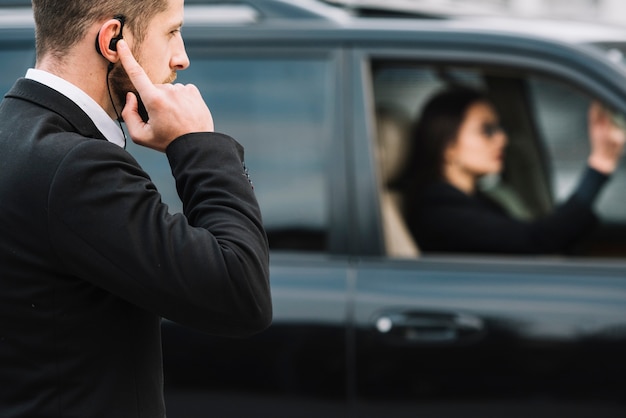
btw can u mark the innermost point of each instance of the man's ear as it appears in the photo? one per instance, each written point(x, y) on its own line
point(108, 36)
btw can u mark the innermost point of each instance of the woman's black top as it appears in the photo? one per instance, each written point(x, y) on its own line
point(444, 219)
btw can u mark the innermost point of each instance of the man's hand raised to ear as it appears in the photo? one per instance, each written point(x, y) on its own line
point(174, 109)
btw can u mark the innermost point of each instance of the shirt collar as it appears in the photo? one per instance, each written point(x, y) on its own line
point(109, 128)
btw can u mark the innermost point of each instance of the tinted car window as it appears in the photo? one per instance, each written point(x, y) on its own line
point(281, 110)
point(405, 87)
point(546, 124)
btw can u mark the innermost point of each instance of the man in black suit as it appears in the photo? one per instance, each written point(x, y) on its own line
point(90, 258)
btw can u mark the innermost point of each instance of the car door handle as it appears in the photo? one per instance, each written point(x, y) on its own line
point(430, 327)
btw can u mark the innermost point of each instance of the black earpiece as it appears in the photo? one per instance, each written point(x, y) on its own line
point(113, 43)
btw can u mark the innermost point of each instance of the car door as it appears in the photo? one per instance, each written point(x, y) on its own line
point(450, 335)
point(280, 103)
point(490, 337)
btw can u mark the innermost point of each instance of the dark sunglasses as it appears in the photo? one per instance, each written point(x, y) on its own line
point(490, 129)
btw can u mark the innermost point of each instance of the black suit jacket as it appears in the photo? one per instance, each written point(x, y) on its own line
point(444, 219)
point(90, 260)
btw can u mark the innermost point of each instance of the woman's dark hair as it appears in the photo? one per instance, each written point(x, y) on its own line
point(436, 128)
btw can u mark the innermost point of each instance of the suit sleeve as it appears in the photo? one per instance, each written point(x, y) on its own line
point(207, 269)
point(471, 229)
point(459, 224)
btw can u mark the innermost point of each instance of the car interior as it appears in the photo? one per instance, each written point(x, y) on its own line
point(546, 123)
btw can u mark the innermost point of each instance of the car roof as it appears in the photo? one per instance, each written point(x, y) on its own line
point(374, 14)
point(366, 20)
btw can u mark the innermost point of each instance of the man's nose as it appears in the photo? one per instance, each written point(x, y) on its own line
point(180, 60)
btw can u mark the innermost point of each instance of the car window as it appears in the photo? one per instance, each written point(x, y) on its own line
point(281, 110)
point(14, 64)
point(546, 124)
point(405, 87)
point(399, 91)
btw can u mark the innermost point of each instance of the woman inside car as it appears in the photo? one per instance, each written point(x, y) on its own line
point(458, 140)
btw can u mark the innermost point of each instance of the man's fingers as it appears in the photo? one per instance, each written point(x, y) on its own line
point(130, 112)
point(137, 75)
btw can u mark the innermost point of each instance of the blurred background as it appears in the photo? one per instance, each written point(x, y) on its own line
point(602, 10)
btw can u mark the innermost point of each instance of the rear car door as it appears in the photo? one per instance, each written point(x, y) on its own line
point(447, 335)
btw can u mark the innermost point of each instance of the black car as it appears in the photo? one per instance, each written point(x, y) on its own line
point(365, 324)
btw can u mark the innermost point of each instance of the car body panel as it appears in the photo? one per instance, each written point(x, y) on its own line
point(503, 329)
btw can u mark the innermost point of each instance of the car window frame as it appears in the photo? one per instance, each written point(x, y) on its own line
point(549, 60)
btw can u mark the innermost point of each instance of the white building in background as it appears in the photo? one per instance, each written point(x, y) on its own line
point(613, 11)
point(605, 10)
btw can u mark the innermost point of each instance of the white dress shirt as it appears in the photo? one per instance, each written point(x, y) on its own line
point(107, 126)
